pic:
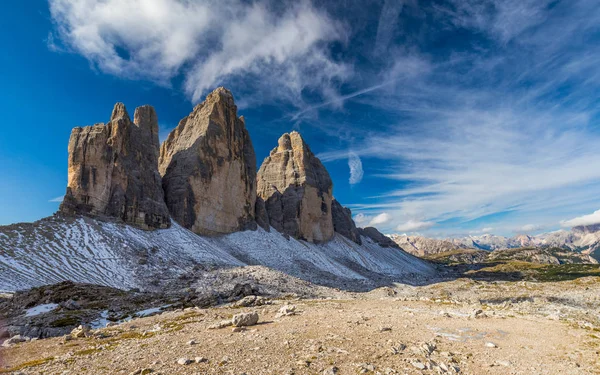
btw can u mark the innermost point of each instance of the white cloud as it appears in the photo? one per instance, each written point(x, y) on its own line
point(582, 220)
point(57, 199)
point(382, 218)
point(209, 42)
point(361, 218)
point(356, 168)
point(414, 225)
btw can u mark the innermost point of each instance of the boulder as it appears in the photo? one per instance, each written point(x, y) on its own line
point(297, 191)
point(343, 223)
point(377, 237)
point(208, 169)
point(113, 170)
point(245, 319)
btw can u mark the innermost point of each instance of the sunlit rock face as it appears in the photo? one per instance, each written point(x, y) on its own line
point(113, 170)
point(208, 169)
point(297, 191)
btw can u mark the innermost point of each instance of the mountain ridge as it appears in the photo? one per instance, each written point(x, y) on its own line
point(584, 240)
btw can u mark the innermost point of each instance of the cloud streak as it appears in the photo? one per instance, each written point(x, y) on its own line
point(498, 130)
point(414, 226)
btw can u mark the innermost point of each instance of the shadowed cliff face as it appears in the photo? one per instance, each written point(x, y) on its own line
point(209, 169)
point(113, 170)
point(297, 191)
point(343, 223)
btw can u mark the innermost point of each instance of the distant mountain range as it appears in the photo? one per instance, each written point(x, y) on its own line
point(581, 239)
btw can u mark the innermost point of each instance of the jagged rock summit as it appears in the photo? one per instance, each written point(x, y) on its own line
point(209, 169)
point(203, 176)
point(297, 191)
point(113, 170)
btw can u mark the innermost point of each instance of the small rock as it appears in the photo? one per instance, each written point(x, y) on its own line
point(366, 367)
point(191, 342)
point(490, 345)
point(81, 331)
point(504, 363)
point(184, 361)
point(331, 371)
point(245, 302)
point(245, 319)
point(71, 305)
point(418, 364)
point(15, 340)
point(224, 361)
point(428, 348)
point(200, 360)
point(384, 329)
point(286, 310)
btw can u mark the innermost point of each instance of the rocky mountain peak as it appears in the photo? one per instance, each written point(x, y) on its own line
point(297, 190)
point(119, 111)
point(209, 168)
point(113, 171)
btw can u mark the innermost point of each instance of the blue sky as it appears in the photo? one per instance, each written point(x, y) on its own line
point(443, 118)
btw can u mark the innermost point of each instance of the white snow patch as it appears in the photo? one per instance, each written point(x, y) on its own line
point(40, 309)
point(149, 312)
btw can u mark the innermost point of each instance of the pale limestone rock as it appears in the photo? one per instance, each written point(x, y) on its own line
point(209, 169)
point(113, 170)
point(245, 319)
point(297, 191)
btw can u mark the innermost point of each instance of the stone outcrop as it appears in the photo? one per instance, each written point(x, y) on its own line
point(261, 215)
point(377, 237)
point(113, 170)
point(297, 191)
point(209, 169)
point(343, 223)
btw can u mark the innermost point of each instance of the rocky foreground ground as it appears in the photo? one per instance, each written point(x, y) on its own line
point(456, 327)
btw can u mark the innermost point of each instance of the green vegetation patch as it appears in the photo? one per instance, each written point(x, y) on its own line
point(25, 365)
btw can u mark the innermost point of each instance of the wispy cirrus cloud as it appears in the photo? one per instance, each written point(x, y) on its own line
point(510, 126)
point(57, 199)
point(277, 47)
